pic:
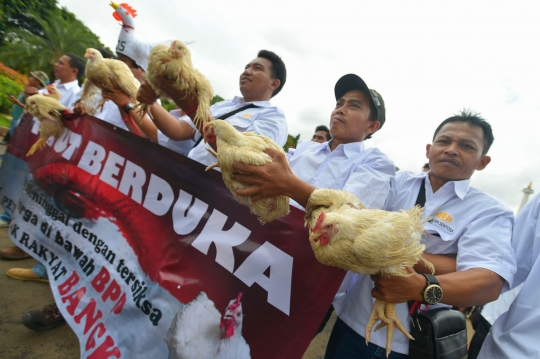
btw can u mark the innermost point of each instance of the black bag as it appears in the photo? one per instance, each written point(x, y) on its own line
point(440, 333)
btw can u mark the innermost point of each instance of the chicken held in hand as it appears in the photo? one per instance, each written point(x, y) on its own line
point(100, 71)
point(369, 241)
point(247, 148)
point(174, 64)
point(49, 112)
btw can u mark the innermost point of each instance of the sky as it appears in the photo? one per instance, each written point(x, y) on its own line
point(428, 59)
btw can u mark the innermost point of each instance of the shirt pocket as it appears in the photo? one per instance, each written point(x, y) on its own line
point(438, 242)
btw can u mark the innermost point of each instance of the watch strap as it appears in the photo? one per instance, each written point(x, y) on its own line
point(431, 279)
point(128, 107)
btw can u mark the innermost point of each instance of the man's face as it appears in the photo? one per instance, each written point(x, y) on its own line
point(349, 121)
point(32, 81)
point(319, 136)
point(135, 70)
point(456, 152)
point(256, 81)
point(62, 69)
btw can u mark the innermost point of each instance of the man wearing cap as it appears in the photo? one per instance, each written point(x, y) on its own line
point(342, 163)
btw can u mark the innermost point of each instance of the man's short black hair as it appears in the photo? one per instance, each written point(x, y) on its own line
point(278, 68)
point(75, 62)
point(426, 166)
point(325, 129)
point(473, 119)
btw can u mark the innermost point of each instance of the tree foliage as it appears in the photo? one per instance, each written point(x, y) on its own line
point(35, 40)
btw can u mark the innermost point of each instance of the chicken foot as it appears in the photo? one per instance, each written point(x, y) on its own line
point(215, 164)
point(386, 313)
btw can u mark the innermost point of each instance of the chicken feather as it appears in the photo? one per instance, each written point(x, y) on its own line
point(247, 148)
point(48, 111)
point(366, 241)
point(174, 63)
point(99, 71)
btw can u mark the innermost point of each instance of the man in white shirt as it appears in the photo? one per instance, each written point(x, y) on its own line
point(68, 70)
point(515, 333)
point(466, 224)
point(342, 163)
point(262, 79)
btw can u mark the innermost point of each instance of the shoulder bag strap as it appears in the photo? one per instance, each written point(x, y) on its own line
point(420, 201)
point(225, 116)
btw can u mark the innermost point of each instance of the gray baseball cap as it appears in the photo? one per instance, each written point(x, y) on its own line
point(351, 82)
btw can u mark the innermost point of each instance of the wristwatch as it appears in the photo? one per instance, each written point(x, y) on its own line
point(433, 292)
point(128, 107)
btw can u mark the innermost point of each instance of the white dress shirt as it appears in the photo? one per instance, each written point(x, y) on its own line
point(367, 173)
point(516, 333)
point(69, 91)
point(466, 222)
point(182, 147)
point(264, 119)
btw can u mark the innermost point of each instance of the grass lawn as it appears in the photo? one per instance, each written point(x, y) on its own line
point(4, 121)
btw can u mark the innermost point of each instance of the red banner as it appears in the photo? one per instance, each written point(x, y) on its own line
point(143, 227)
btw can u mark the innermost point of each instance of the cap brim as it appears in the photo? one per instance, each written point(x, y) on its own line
point(348, 83)
point(351, 82)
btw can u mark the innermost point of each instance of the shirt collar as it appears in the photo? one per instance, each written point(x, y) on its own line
point(67, 85)
point(349, 149)
point(240, 100)
point(460, 188)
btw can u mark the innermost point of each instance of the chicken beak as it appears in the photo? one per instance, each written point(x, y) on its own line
point(205, 140)
point(114, 5)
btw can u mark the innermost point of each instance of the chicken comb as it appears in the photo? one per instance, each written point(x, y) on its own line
point(319, 222)
point(131, 11)
point(237, 303)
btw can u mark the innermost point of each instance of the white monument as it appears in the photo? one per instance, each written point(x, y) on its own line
point(526, 193)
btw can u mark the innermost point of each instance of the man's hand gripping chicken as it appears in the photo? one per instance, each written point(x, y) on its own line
point(345, 234)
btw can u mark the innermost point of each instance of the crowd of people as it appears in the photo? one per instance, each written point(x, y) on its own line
point(477, 248)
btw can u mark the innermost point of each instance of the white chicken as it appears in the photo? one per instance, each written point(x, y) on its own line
point(244, 147)
point(49, 112)
point(367, 241)
point(99, 71)
point(198, 331)
point(174, 63)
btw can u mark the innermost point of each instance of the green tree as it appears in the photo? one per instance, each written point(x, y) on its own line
point(61, 33)
point(13, 15)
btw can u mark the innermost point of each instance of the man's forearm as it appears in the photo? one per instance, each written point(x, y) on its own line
point(443, 264)
point(170, 126)
point(299, 190)
point(472, 287)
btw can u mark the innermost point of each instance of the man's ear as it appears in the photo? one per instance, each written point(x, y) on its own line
point(428, 147)
point(484, 161)
point(373, 127)
point(275, 84)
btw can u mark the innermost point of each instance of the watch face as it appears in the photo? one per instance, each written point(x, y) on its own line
point(433, 294)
